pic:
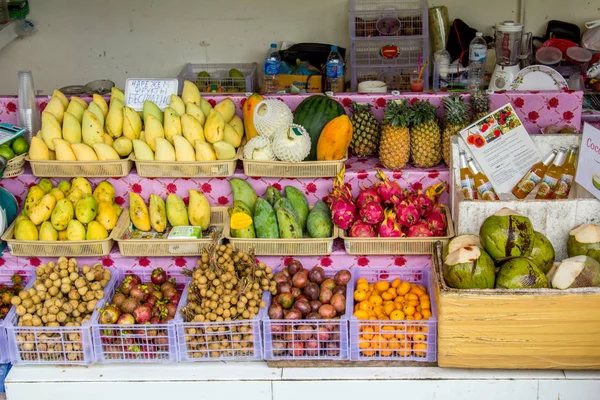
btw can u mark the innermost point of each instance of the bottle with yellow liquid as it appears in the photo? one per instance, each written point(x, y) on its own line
point(551, 177)
point(485, 190)
point(534, 176)
point(565, 182)
point(467, 181)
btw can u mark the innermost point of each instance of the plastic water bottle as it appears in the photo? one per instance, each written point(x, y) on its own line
point(477, 53)
point(271, 69)
point(335, 70)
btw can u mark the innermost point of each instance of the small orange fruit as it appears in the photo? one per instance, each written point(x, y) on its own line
point(396, 282)
point(397, 315)
point(403, 288)
point(375, 299)
point(426, 314)
point(408, 310)
point(382, 286)
point(361, 314)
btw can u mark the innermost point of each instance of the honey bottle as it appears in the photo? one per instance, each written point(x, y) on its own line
point(534, 176)
point(467, 181)
point(485, 190)
point(565, 182)
point(551, 177)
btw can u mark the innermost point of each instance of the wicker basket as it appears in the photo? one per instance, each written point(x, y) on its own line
point(86, 169)
point(76, 248)
point(304, 169)
point(169, 247)
point(379, 245)
point(15, 166)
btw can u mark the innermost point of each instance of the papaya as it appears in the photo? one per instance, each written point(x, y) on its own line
point(243, 192)
point(299, 204)
point(289, 227)
point(248, 111)
point(272, 195)
point(318, 223)
point(247, 232)
point(265, 220)
point(335, 139)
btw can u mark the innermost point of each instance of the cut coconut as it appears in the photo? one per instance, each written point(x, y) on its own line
point(584, 240)
point(586, 233)
point(506, 212)
point(463, 241)
point(551, 273)
point(577, 272)
point(463, 255)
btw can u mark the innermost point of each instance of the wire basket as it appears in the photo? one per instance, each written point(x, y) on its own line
point(15, 166)
point(385, 18)
point(86, 169)
point(68, 345)
point(238, 340)
point(186, 169)
point(147, 343)
point(282, 169)
point(219, 77)
point(380, 245)
point(170, 247)
point(394, 52)
point(402, 340)
point(5, 274)
point(73, 248)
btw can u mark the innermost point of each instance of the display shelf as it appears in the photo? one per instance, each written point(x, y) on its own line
point(229, 379)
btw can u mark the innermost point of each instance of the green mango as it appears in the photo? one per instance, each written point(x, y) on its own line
point(62, 214)
point(45, 185)
point(289, 227)
point(318, 223)
point(243, 191)
point(265, 220)
point(176, 211)
point(86, 209)
point(47, 232)
point(283, 202)
point(272, 195)
point(248, 232)
point(64, 186)
point(299, 203)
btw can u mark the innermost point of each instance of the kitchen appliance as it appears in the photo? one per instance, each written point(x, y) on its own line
point(509, 36)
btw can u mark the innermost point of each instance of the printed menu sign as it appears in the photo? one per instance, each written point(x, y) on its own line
point(502, 147)
point(589, 157)
point(158, 91)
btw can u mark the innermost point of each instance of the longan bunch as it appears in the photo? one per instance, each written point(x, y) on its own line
point(227, 285)
point(61, 295)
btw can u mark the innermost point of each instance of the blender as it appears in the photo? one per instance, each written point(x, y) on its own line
point(509, 36)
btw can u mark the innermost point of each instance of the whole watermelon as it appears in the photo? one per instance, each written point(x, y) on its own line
point(313, 114)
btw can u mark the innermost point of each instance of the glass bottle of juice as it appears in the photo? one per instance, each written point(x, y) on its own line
point(485, 190)
point(551, 177)
point(534, 176)
point(563, 187)
point(467, 181)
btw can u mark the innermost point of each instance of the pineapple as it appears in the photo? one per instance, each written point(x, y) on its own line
point(394, 149)
point(480, 103)
point(456, 119)
point(425, 140)
point(365, 131)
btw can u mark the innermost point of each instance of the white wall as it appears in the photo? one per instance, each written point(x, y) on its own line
point(81, 40)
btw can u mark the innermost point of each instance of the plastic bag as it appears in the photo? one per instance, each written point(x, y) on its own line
point(591, 38)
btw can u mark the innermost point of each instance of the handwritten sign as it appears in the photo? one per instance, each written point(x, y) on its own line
point(158, 91)
point(589, 156)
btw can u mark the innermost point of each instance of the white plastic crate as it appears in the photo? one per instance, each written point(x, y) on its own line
point(5, 274)
point(219, 75)
point(238, 340)
point(148, 343)
point(385, 18)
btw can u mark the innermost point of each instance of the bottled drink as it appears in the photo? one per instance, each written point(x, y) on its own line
point(335, 70)
point(477, 54)
point(271, 69)
point(467, 181)
point(563, 187)
point(485, 190)
point(551, 177)
point(534, 176)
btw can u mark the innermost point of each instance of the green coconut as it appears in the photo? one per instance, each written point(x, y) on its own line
point(469, 268)
point(577, 272)
point(506, 234)
point(460, 241)
point(520, 273)
point(584, 240)
point(542, 253)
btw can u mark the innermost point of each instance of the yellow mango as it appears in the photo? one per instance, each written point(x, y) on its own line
point(34, 195)
point(42, 210)
point(177, 104)
point(199, 210)
point(95, 231)
point(56, 108)
point(107, 216)
point(75, 109)
point(71, 128)
point(226, 108)
point(63, 150)
point(61, 215)
point(158, 213)
point(196, 112)
point(99, 100)
point(83, 152)
point(204, 151)
point(142, 151)
point(91, 129)
point(104, 192)
point(214, 127)
point(172, 124)
point(138, 212)
point(114, 119)
point(38, 149)
point(47, 232)
point(75, 231)
point(60, 95)
point(26, 230)
point(51, 129)
point(153, 129)
point(190, 93)
point(191, 128)
point(132, 123)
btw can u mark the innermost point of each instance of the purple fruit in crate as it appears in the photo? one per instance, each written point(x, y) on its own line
point(311, 291)
point(338, 301)
point(118, 299)
point(151, 301)
point(286, 272)
point(316, 275)
point(168, 284)
point(157, 293)
point(313, 315)
point(171, 310)
point(280, 277)
point(284, 287)
point(294, 266)
point(342, 277)
point(340, 289)
point(325, 295)
point(312, 347)
point(303, 332)
point(328, 283)
point(323, 334)
point(286, 300)
point(277, 328)
point(127, 284)
point(296, 348)
point(162, 340)
point(169, 292)
point(276, 311)
point(303, 306)
point(175, 299)
point(159, 276)
point(302, 297)
point(315, 305)
point(126, 319)
point(333, 349)
point(327, 311)
point(300, 279)
point(142, 314)
point(296, 292)
point(129, 304)
point(293, 314)
point(279, 348)
point(139, 292)
point(109, 314)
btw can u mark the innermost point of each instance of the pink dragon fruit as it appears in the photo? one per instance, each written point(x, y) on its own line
point(360, 229)
point(422, 202)
point(387, 188)
point(408, 214)
point(436, 222)
point(389, 227)
point(366, 195)
point(419, 230)
point(371, 213)
point(343, 213)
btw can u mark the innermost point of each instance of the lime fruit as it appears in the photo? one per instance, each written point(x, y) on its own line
point(20, 146)
point(6, 152)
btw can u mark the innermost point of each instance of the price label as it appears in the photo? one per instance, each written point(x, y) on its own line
point(158, 91)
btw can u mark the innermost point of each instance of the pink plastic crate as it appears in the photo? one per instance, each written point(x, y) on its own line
point(5, 275)
point(288, 340)
point(148, 343)
point(412, 340)
point(53, 345)
point(239, 340)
